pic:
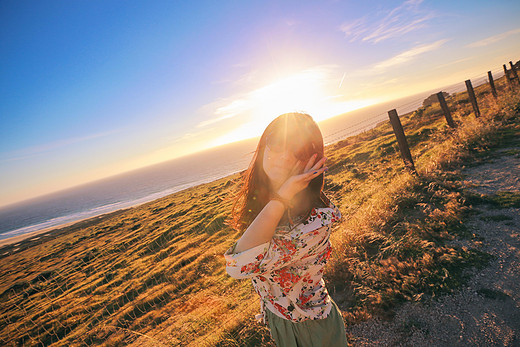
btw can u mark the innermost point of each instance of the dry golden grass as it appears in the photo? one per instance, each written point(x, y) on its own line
point(394, 242)
point(154, 275)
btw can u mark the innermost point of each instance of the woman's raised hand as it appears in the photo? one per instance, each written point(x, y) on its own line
point(301, 177)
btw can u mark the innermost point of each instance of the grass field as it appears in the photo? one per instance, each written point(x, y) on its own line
point(155, 275)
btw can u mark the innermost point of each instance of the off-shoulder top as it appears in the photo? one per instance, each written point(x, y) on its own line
point(287, 271)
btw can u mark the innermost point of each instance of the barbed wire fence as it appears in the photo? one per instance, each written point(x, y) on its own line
point(140, 283)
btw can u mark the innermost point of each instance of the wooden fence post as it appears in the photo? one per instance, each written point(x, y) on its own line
point(401, 140)
point(472, 98)
point(513, 72)
point(445, 109)
point(509, 82)
point(492, 84)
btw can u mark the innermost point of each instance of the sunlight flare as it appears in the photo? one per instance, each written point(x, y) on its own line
point(314, 91)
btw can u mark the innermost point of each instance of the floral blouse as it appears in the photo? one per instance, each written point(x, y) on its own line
point(287, 271)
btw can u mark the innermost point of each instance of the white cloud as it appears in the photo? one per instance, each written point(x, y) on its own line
point(493, 39)
point(388, 30)
point(403, 19)
point(406, 56)
point(355, 29)
point(458, 61)
point(230, 110)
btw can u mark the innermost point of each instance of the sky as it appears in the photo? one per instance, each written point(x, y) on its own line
point(90, 89)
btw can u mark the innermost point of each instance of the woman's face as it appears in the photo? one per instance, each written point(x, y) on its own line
point(279, 163)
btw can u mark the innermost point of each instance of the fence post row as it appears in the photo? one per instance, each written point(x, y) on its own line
point(492, 85)
point(398, 127)
point(513, 72)
point(401, 140)
point(445, 109)
point(508, 78)
point(472, 98)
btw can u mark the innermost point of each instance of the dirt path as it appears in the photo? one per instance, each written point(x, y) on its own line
point(486, 312)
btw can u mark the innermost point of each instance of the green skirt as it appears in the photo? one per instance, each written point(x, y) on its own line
point(328, 332)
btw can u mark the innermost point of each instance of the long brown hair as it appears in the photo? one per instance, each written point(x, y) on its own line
point(302, 135)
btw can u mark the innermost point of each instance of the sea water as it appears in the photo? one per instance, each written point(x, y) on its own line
point(124, 190)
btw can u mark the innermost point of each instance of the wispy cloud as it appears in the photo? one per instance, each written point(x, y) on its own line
point(233, 109)
point(458, 61)
point(403, 19)
point(493, 39)
point(406, 56)
point(29, 152)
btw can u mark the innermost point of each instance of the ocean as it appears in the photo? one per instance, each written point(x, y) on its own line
point(150, 183)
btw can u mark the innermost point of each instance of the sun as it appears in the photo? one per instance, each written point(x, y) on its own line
point(300, 92)
point(313, 91)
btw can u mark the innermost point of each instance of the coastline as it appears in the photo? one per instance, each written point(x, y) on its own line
point(18, 238)
point(27, 240)
point(36, 235)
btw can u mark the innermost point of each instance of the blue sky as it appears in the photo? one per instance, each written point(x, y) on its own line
point(93, 88)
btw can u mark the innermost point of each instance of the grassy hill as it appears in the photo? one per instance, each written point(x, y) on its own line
point(155, 275)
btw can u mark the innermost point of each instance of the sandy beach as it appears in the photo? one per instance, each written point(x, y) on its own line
point(34, 235)
point(28, 239)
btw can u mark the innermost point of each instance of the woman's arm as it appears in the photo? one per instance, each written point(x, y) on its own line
point(312, 244)
point(263, 227)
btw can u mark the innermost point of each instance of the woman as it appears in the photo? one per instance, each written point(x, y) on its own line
point(286, 221)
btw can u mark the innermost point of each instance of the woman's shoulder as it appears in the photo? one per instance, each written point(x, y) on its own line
point(323, 213)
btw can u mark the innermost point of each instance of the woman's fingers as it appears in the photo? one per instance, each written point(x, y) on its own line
point(319, 164)
point(313, 169)
point(313, 174)
point(300, 180)
point(310, 163)
point(310, 175)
